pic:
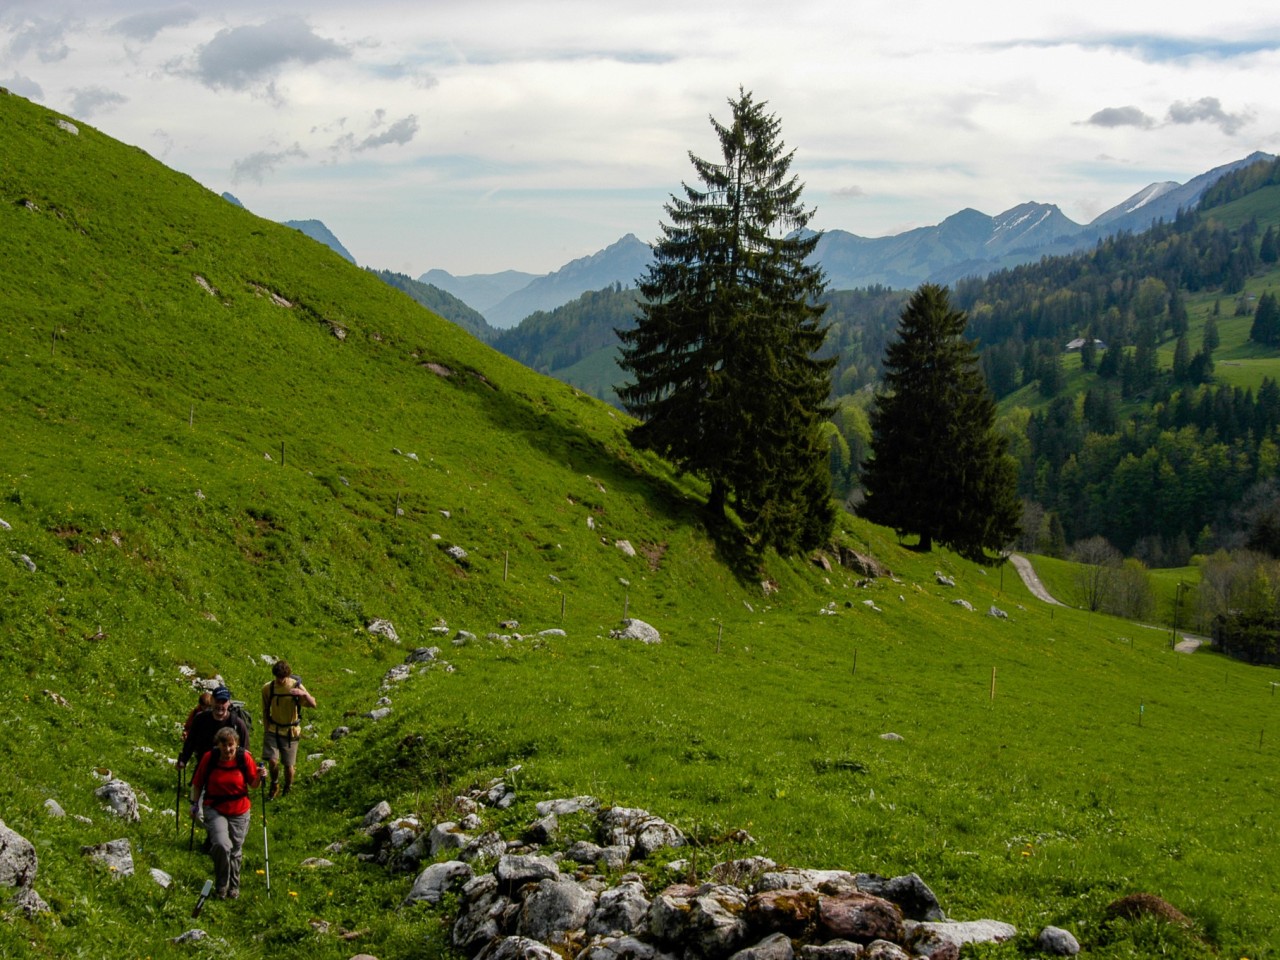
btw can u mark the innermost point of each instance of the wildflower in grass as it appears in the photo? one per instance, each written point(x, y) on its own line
point(261, 872)
point(293, 893)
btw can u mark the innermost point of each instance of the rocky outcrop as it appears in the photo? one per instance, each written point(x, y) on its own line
point(526, 906)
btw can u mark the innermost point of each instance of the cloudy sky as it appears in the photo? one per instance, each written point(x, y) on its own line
point(483, 135)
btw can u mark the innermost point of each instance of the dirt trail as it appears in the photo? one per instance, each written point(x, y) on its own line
point(1028, 575)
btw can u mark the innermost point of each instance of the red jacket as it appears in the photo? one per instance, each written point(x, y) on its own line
point(225, 786)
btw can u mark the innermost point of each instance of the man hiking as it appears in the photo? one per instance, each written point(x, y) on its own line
point(282, 700)
point(206, 724)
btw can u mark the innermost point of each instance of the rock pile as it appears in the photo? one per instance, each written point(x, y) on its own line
point(539, 903)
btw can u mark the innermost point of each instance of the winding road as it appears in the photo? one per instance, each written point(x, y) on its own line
point(1188, 643)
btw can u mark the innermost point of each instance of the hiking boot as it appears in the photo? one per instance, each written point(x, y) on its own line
point(233, 893)
point(222, 893)
point(275, 790)
point(285, 792)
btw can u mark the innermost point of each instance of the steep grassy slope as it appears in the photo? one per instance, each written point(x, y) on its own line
point(208, 423)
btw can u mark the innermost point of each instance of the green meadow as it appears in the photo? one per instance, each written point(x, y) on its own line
point(222, 443)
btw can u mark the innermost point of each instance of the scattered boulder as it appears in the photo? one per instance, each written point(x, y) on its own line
point(774, 947)
point(557, 906)
point(162, 879)
point(383, 628)
point(115, 855)
point(626, 547)
point(120, 798)
point(963, 603)
point(943, 579)
point(53, 808)
point(377, 814)
point(633, 629)
point(324, 768)
point(29, 903)
point(1058, 942)
point(997, 613)
point(17, 859)
point(339, 733)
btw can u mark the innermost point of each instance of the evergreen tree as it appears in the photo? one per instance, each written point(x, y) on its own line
point(1209, 340)
point(1269, 250)
point(939, 469)
point(1181, 360)
point(1266, 321)
point(726, 383)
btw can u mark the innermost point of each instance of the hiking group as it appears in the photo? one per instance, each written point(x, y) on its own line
point(216, 735)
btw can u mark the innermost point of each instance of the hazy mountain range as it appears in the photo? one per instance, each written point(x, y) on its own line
point(967, 243)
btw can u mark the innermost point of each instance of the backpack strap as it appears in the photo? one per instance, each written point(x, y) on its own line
point(243, 766)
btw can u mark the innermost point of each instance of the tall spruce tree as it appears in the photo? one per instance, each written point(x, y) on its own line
point(726, 382)
point(939, 469)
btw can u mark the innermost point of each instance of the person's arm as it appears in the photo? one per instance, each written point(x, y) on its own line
point(255, 771)
point(188, 744)
point(198, 778)
point(301, 693)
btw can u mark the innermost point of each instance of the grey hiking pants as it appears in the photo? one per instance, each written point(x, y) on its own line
point(226, 836)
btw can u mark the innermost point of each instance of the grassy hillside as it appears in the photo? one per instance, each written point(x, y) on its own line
point(223, 443)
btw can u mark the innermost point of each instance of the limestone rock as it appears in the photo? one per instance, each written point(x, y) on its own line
point(120, 798)
point(115, 855)
point(435, 881)
point(17, 859)
point(557, 906)
point(633, 629)
point(620, 910)
point(774, 947)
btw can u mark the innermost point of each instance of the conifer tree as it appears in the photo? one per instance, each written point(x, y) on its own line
point(726, 383)
point(939, 469)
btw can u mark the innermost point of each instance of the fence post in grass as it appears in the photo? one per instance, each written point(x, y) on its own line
point(626, 603)
point(1260, 733)
point(282, 453)
point(191, 416)
point(1142, 707)
point(993, 683)
point(719, 637)
point(506, 563)
point(561, 604)
point(53, 342)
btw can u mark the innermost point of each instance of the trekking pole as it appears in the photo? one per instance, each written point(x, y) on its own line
point(177, 809)
point(266, 852)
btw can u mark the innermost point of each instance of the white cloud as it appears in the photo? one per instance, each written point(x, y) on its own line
point(1209, 110)
point(243, 57)
point(146, 26)
point(258, 166)
point(88, 101)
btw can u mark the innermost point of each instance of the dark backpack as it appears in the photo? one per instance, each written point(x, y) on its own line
point(238, 710)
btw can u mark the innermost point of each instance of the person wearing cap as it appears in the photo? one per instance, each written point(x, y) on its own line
point(206, 725)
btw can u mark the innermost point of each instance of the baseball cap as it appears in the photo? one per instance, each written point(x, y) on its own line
point(222, 695)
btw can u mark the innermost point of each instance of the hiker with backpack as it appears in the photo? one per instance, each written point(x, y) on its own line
point(225, 775)
point(282, 702)
point(205, 726)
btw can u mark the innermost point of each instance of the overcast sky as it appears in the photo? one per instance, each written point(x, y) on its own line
point(483, 135)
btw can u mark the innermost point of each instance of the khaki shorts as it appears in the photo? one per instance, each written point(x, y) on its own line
point(281, 746)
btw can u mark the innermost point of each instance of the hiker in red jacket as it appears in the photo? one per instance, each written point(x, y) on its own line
point(226, 774)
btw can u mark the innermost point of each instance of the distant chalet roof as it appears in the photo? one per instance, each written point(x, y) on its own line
point(1079, 342)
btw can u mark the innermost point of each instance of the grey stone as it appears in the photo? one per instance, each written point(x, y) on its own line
point(120, 798)
point(29, 902)
point(383, 628)
point(997, 613)
point(517, 948)
point(339, 733)
point(115, 855)
point(18, 861)
point(706, 920)
point(543, 829)
point(377, 814)
point(161, 878)
point(1059, 942)
point(379, 713)
point(832, 950)
point(53, 808)
point(774, 947)
point(435, 881)
point(487, 846)
point(884, 950)
point(909, 892)
point(515, 870)
point(633, 629)
point(557, 906)
point(620, 910)
point(565, 806)
point(423, 655)
point(324, 768)
point(961, 933)
point(621, 948)
point(447, 836)
point(481, 916)
point(812, 881)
